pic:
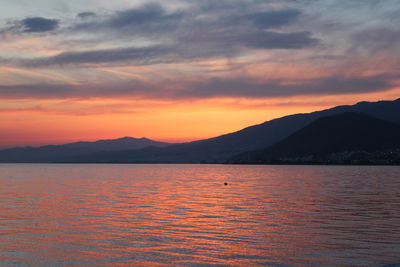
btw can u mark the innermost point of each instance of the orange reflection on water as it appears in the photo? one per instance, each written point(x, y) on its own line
point(124, 215)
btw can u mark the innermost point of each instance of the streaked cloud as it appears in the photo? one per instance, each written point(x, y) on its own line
point(141, 55)
point(242, 87)
point(38, 24)
point(269, 48)
point(86, 14)
point(31, 25)
point(191, 49)
point(202, 30)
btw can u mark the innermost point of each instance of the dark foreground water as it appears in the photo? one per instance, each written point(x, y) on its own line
point(168, 215)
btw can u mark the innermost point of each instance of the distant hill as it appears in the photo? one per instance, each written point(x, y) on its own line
point(217, 149)
point(221, 148)
point(335, 138)
point(53, 153)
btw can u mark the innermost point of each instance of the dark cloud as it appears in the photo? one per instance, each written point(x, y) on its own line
point(146, 20)
point(153, 34)
point(144, 14)
point(66, 91)
point(244, 87)
point(191, 49)
point(202, 30)
point(38, 24)
point(214, 87)
point(273, 19)
point(155, 19)
point(31, 25)
point(276, 40)
point(189, 35)
point(141, 56)
point(34, 91)
point(375, 40)
point(84, 15)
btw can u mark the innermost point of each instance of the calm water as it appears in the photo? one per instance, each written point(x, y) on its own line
point(168, 215)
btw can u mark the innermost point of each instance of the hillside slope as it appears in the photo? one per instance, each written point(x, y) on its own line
point(54, 153)
point(221, 148)
point(327, 137)
point(217, 149)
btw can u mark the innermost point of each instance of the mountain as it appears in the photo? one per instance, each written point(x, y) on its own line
point(220, 149)
point(217, 149)
point(53, 153)
point(345, 136)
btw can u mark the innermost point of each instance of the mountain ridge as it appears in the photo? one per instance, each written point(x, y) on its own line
point(221, 148)
point(332, 139)
point(49, 153)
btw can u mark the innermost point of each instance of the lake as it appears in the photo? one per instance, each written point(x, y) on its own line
point(184, 215)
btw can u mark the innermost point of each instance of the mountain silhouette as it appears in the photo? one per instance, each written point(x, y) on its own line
point(213, 150)
point(343, 133)
point(53, 153)
point(221, 148)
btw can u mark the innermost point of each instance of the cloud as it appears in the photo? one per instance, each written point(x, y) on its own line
point(38, 24)
point(76, 108)
point(141, 56)
point(145, 20)
point(151, 34)
point(87, 14)
point(274, 19)
point(31, 25)
point(276, 40)
point(246, 87)
point(153, 18)
point(145, 14)
point(188, 36)
point(133, 88)
point(191, 49)
point(375, 40)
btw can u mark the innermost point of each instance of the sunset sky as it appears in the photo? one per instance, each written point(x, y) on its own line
point(181, 70)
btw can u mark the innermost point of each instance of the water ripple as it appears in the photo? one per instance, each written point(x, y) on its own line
point(184, 215)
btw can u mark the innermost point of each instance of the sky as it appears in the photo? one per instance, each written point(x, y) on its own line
point(183, 70)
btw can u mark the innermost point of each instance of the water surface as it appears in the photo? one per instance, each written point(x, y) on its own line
point(171, 215)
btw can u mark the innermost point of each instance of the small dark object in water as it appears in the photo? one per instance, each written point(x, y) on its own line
point(225, 183)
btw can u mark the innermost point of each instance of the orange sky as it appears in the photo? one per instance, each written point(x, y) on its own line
point(179, 71)
point(57, 122)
